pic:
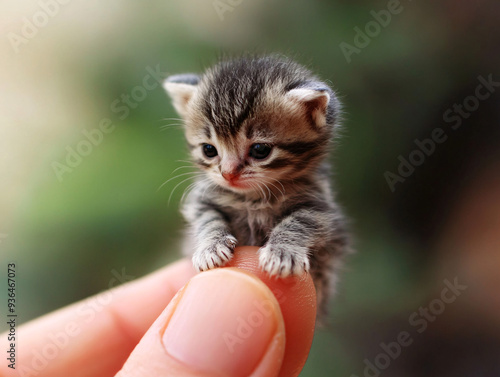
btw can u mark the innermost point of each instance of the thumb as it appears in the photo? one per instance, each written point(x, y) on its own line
point(224, 322)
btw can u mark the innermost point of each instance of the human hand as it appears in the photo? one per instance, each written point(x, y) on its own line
point(223, 322)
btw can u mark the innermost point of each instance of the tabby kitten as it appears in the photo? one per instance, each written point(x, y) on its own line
point(260, 128)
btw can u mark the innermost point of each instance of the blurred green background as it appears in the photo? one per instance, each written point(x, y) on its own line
point(68, 235)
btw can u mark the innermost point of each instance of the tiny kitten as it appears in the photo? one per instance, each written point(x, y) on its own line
point(260, 129)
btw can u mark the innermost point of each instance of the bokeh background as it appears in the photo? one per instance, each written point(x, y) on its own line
point(70, 233)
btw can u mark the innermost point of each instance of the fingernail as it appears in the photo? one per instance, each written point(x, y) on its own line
point(223, 324)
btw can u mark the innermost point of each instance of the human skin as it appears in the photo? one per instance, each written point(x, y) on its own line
point(232, 321)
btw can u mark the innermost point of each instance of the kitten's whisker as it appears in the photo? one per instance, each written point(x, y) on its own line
point(171, 124)
point(277, 188)
point(211, 185)
point(281, 184)
point(186, 161)
point(264, 196)
point(187, 190)
point(191, 187)
point(165, 129)
point(177, 185)
point(268, 190)
point(271, 192)
point(205, 191)
point(167, 126)
point(179, 119)
point(254, 186)
point(183, 167)
point(177, 176)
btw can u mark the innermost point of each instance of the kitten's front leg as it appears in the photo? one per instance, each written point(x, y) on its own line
point(292, 241)
point(214, 243)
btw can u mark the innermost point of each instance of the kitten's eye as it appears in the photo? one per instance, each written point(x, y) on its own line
point(209, 150)
point(260, 151)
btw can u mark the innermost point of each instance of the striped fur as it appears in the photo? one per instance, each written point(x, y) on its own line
point(282, 202)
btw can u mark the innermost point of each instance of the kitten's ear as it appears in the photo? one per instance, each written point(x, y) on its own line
point(313, 101)
point(181, 89)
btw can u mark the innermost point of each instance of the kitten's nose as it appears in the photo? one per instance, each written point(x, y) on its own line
point(230, 176)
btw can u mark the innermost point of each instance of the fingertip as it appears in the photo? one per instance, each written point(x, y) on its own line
point(223, 322)
point(296, 296)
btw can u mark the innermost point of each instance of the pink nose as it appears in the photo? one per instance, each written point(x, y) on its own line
point(230, 176)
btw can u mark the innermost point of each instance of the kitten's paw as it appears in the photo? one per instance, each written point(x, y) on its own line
point(214, 253)
point(283, 260)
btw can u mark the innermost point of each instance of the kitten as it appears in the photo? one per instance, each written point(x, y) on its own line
point(260, 128)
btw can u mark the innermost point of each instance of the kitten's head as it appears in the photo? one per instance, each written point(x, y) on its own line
point(251, 122)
